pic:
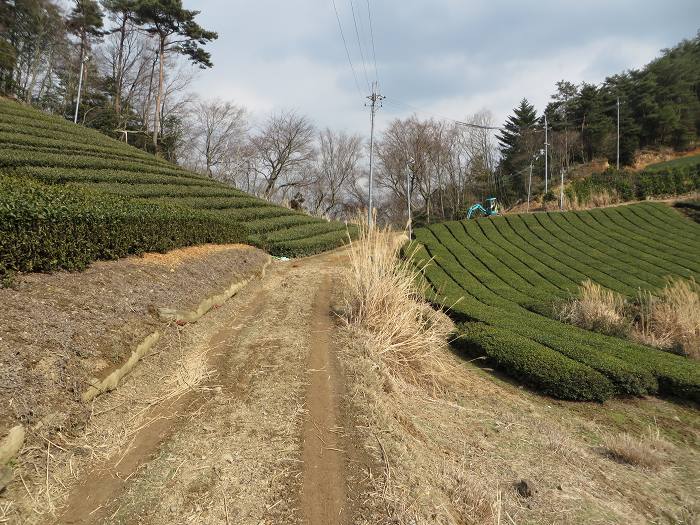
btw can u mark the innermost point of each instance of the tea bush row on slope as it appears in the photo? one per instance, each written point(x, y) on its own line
point(54, 151)
point(315, 244)
point(673, 178)
point(601, 225)
point(147, 191)
point(90, 176)
point(12, 157)
point(629, 368)
point(45, 228)
point(481, 304)
point(534, 364)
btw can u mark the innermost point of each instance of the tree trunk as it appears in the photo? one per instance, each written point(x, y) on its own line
point(120, 68)
point(159, 96)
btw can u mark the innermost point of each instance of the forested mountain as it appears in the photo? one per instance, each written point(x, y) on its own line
point(659, 107)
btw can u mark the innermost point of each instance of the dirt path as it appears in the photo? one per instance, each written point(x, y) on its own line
point(259, 440)
point(323, 495)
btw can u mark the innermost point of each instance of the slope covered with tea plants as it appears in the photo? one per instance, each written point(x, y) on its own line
point(69, 195)
point(500, 276)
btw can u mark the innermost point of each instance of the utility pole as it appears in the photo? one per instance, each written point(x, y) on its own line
point(618, 133)
point(561, 194)
point(546, 155)
point(375, 101)
point(529, 187)
point(408, 200)
point(83, 60)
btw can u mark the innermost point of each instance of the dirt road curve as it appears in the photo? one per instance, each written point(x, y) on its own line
point(260, 439)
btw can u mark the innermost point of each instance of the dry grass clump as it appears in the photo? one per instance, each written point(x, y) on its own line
point(597, 199)
point(597, 308)
point(669, 319)
point(383, 298)
point(647, 451)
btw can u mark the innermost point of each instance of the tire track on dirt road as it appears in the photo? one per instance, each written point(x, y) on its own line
point(323, 493)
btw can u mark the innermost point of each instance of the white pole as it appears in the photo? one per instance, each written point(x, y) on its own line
point(408, 200)
point(618, 133)
point(546, 155)
point(371, 163)
point(80, 87)
point(561, 195)
point(374, 98)
point(529, 187)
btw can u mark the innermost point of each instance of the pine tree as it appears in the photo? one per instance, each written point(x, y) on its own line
point(123, 12)
point(167, 19)
point(85, 22)
point(518, 144)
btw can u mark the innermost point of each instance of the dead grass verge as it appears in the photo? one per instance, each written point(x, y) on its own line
point(383, 299)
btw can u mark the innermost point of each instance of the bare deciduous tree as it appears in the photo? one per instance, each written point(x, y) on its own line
point(336, 167)
point(282, 150)
point(218, 136)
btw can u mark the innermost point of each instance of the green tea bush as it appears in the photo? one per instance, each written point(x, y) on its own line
point(116, 183)
point(45, 228)
point(665, 179)
point(534, 364)
point(467, 276)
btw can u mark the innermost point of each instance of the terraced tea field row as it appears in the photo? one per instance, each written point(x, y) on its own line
point(69, 195)
point(499, 277)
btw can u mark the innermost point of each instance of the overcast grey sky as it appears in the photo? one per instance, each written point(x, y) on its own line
point(445, 57)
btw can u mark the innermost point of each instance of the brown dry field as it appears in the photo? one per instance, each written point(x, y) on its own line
point(270, 410)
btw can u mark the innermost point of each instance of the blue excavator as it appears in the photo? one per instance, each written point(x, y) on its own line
point(478, 208)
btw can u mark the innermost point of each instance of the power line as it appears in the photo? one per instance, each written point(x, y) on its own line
point(371, 35)
point(347, 52)
point(359, 43)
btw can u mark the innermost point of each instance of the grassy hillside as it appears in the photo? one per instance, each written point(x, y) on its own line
point(498, 276)
point(665, 179)
point(692, 160)
point(69, 195)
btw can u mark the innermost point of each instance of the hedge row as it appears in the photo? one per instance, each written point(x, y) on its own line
point(312, 245)
point(264, 225)
point(585, 223)
point(475, 236)
point(663, 180)
point(114, 184)
point(45, 228)
point(37, 143)
point(469, 275)
point(600, 222)
point(144, 191)
point(54, 175)
point(534, 364)
point(300, 231)
point(518, 252)
point(12, 156)
point(216, 203)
